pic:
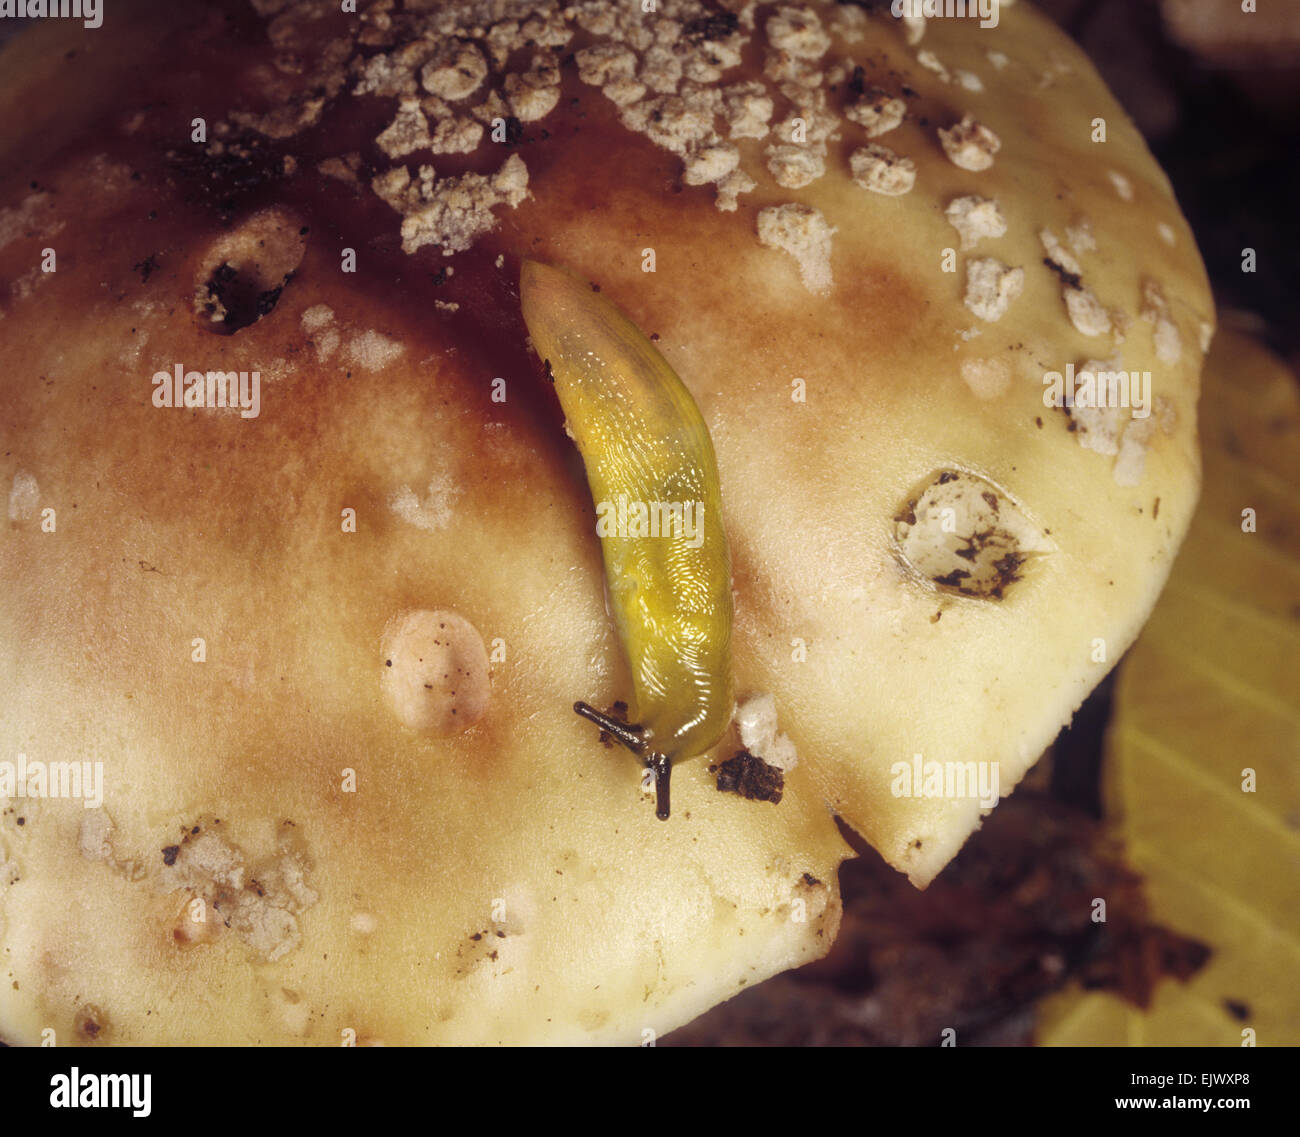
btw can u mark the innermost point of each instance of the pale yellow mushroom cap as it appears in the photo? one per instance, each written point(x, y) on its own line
point(295, 842)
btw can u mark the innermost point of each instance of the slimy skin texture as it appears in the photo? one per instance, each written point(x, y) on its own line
point(642, 438)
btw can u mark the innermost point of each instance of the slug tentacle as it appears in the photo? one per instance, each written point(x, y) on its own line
point(657, 764)
point(654, 480)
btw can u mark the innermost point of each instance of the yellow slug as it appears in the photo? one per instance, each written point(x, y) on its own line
point(654, 480)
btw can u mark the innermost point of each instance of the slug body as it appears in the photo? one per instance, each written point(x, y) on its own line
point(654, 480)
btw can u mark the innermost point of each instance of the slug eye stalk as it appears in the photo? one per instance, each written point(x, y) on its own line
point(629, 735)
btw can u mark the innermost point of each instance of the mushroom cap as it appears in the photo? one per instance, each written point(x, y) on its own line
point(294, 843)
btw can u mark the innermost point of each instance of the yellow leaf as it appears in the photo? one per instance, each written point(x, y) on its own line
point(1210, 692)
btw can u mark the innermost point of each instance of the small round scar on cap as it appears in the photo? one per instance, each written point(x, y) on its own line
point(435, 671)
